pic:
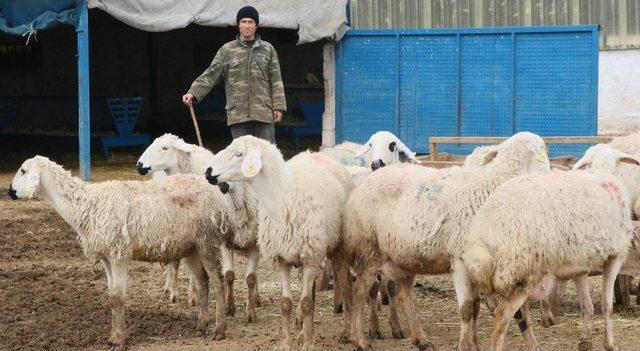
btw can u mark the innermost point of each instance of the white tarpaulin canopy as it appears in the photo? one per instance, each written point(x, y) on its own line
point(314, 19)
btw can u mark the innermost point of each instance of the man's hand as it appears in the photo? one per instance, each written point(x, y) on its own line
point(187, 99)
point(277, 116)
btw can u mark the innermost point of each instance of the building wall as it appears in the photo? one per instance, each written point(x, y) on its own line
point(619, 92)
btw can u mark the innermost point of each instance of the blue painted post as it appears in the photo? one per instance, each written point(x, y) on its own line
point(84, 129)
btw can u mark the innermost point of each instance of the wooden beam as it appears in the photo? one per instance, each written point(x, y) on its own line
point(497, 140)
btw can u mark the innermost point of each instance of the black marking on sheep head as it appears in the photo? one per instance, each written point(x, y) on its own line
point(224, 187)
point(392, 146)
point(377, 164)
point(12, 193)
point(141, 169)
point(211, 179)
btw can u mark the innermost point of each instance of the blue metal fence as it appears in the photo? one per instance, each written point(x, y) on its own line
point(467, 82)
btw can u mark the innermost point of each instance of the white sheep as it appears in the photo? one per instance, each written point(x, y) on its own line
point(122, 221)
point(300, 206)
point(629, 144)
point(171, 154)
point(536, 228)
point(413, 220)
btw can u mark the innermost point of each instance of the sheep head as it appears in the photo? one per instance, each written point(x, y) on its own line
point(604, 158)
point(242, 160)
point(386, 148)
point(26, 182)
point(163, 154)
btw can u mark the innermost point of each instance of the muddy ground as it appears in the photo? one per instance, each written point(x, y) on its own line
point(53, 298)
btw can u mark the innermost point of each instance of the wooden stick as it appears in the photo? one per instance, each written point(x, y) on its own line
point(195, 124)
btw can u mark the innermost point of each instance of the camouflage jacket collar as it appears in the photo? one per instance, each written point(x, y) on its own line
point(244, 43)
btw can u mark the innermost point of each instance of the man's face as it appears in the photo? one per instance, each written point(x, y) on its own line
point(247, 28)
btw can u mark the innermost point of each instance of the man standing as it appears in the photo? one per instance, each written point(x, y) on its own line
point(252, 81)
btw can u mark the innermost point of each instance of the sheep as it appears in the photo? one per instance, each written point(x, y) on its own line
point(172, 155)
point(628, 143)
point(382, 148)
point(419, 220)
point(299, 208)
point(536, 228)
point(122, 221)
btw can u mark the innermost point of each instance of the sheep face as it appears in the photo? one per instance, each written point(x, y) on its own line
point(604, 158)
point(162, 154)
point(531, 153)
point(26, 182)
point(240, 161)
point(386, 149)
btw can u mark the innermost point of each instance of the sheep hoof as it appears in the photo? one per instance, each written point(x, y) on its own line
point(192, 301)
point(364, 347)
point(548, 321)
point(397, 334)
point(258, 301)
point(585, 346)
point(385, 300)
point(230, 310)
point(173, 298)
point(251, 316)
point(424, 346)
point(298, 323)
point(219, 334)
point(344, 338)
point(337, 309)
point(375, 334)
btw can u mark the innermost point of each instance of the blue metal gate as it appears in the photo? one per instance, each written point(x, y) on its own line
point(467, 82)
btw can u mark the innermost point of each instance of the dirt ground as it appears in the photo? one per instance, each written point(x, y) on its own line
point(53, 298)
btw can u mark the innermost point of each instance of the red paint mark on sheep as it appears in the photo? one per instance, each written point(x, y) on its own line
point(613, 189)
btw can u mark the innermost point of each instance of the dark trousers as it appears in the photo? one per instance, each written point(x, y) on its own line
point(266, 131)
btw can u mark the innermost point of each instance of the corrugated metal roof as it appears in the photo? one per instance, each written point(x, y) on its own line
point(619, 19)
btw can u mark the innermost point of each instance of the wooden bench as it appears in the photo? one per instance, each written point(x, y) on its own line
point(434, 141)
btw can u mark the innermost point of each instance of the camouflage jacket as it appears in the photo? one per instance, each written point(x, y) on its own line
point(252, 81)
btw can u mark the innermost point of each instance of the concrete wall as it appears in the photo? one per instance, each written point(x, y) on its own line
point(619, 92)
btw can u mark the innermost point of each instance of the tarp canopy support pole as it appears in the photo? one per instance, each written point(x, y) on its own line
point(84, 128)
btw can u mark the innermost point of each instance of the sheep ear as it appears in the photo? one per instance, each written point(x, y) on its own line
point(251, 164)
point(183, 146)
point(583, 163)
point(406, 155)
point(32, 183)
point(363, 150)
point(490, 156)
point(625, 158)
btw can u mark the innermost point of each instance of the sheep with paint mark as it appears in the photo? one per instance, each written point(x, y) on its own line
point(300, 206)
point(567, 225)
point(172, 155)
point(419, 224)
point(117, 222)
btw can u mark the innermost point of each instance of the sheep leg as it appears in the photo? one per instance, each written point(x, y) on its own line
point(550, 304)
point(394, 320)
point(117, 295)
point(227, 256)
point(211, 264)
point(343, 287)
point(285, 283)
point(107, 270)
point(360, 291)
point(524, 323)
point(374, 321)
point(405, 294)
point(468, 298)
point(325, 278)
point(582, 284)
point(193, 288)
point(505, 310)
point(384, 290)
point(338, 285)
point(252, 284)
point(201, 280)
point(307, 305)
point(611, 269)
point(171, 284)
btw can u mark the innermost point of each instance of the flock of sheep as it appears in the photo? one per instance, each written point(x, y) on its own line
point(503, 224)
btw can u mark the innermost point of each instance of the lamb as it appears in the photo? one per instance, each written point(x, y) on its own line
point(569, 224)
point(418, 227)
point(172, 155)
point(300, 206)
point(122, 221)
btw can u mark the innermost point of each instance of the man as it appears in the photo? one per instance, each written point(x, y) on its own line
point(252, 81)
